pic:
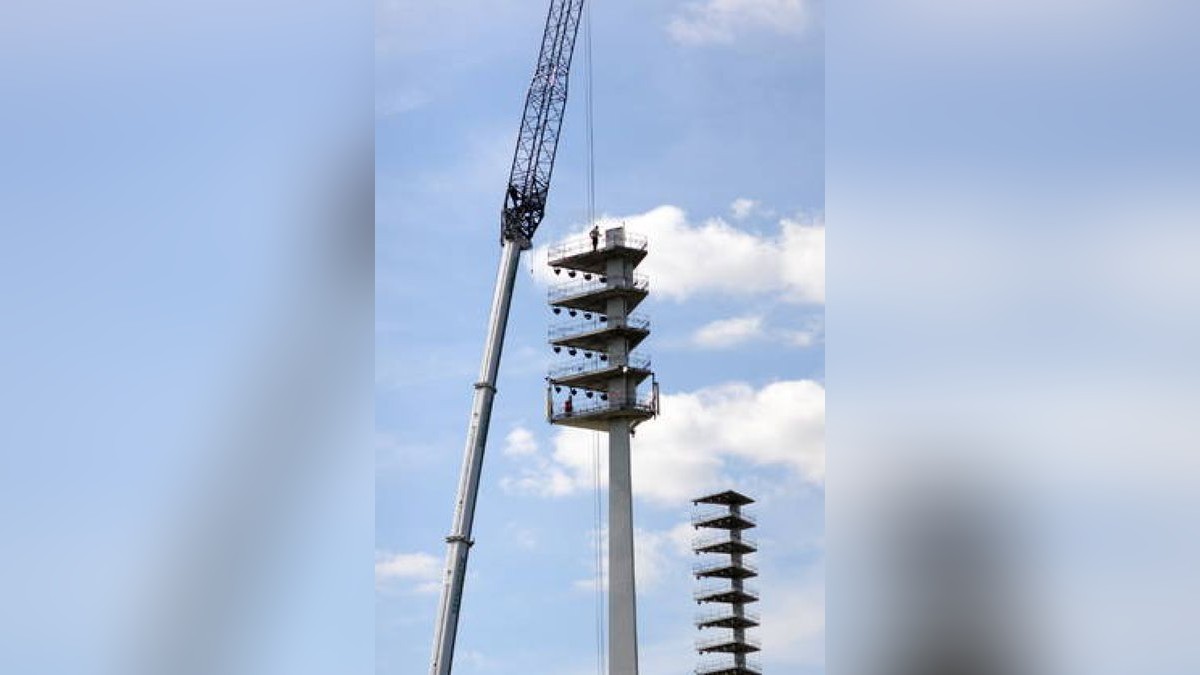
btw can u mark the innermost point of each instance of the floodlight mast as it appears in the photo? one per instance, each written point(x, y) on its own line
point(524, 208)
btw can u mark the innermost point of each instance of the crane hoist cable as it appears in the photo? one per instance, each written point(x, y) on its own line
point(597, 491)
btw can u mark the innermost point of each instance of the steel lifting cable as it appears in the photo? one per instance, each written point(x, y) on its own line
point(591, 139)
point(599, 550)
point(591, 220)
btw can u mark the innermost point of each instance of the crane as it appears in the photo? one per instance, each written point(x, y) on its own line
point(522, 213)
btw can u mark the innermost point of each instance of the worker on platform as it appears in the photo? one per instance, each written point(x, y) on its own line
point(595, 235)
point(569, 406)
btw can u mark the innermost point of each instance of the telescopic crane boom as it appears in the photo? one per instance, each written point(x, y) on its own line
point(524, 207)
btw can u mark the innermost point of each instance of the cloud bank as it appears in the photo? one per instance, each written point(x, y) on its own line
point(690, 259)
point(684, 452)
point(723, 22)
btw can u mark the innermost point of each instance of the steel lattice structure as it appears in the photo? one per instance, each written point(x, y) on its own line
point(545, 105)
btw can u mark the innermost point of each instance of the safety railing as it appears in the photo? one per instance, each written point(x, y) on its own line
point(709, 643)
point(710, 617)
point(705, 567)
point(595, 362)
point(591, 322)
point(720, 513)
point(600, 403)
point(711, 666)
point(714, 539)
point(607, 241)
point(639, 282)
point(717, 589)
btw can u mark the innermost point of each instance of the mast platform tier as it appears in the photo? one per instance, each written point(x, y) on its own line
point(595, 332)
point(727, 619)
point(726, 498)
point(735, 594)
point(724, 520)
point(598, 414)
point(724, 570)
point(729, 668)
point(579, 253)
point(598, 376)
point(596, 294)
point(728, 645)
point(724, 543)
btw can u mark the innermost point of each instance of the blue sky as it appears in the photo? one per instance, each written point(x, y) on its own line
point(1014, 190)
point(709, 140)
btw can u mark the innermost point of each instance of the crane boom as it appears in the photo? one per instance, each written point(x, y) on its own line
point(537, 143)
point(524, 208)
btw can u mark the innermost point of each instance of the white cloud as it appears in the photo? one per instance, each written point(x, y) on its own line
point(543, 480)
point(520, 443)
point(421, 569)
point(658, 554)
point(474, 657)
point(539, 477)
point(811, 334)
point(802, 252)
point(400, 101)
point(781, 424)
point(793, 620)
point(682, 452)
point(428, 587)
point(802, 338)
point(792, 631)
point(728, 332)
point(724, 21)
point(792, 605)
point(742, 208)
point(525, 538)
point(688, 259)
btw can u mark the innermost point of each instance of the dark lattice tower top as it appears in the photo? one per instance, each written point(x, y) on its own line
point(723, 585)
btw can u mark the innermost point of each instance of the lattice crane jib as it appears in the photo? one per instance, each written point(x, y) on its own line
point(541, 124)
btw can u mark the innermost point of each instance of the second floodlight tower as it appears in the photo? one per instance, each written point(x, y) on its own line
point(597, 386)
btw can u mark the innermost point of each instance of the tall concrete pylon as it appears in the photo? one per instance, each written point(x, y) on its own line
point(596, 387)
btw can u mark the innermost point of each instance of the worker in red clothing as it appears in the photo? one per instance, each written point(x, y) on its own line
point(569, 406)
point(595, 235)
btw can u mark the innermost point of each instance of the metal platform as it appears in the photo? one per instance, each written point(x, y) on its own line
point(728, 645)
point(596, 414)
point(724, 519)
point(726, 594)
point(724, 570)
point(593, 296)
point(597, 335)
point(729, 668)
point(724, 544)
point(728, 498)
point(579, 253)
point(727, 619)
point(597, 376)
